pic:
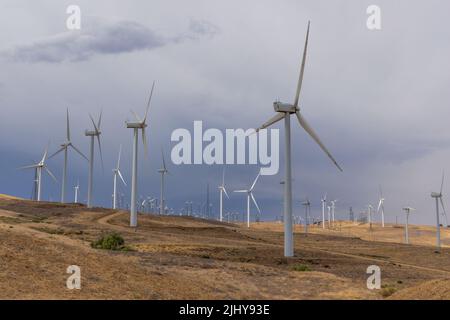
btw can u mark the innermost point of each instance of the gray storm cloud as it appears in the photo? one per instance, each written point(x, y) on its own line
point(102, 39)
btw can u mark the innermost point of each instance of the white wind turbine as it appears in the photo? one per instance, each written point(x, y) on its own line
point(93, 134)
point(117, 173)
point(250, 195)
point(76, 188)
point(407, 211)
point(65, 147)
point(370, 207)
point(333, 207)
point(163, 171)
point(284, 111)
point(139, 124)
point(329, 216)
point(222, 191)
point(38, 169)
point(381, 207)
point(438, 197)
point(307, 205)
point(324, 203)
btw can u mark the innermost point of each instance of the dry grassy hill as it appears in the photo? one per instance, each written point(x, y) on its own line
point(185, 258)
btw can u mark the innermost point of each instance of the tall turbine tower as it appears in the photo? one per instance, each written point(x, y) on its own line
point(329, 216)
point(438, 197)
point(117, 173)
point(284, 111)
point(163, 172)
point(324, 203)
point(370, 207)
point(93, 134)
point(249, 193)
point(38, 172)
point(407, 211)
point(65, 147)
point(139, 124)
point(381, 207)
point(222, 191)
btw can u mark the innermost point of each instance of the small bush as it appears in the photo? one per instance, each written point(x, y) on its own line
point(301, 268)
point(113, 241)
point(387, 290)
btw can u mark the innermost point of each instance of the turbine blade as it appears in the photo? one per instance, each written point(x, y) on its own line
point(163, 160)
point(79, 152)
point(148, 103)
point(302, 69)
point(51, 174)
point(256, 179)
point(225, 191)
point(240, 191)
point(100, 149)
point(28, 167)
point(313, 135)
point(379, 206)
point(118, 160)
point(144, 141)
point(100, 120)
point(254, 201)
point(93, 122)
point(60, 149)
point(223, 177)
point(442, 183)
point(121, 178)
point(271, 121)
point(68, 125)
point(45, 154)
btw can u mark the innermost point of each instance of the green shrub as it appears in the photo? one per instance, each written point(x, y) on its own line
point(301, 267)
point(387, 290)
point(112, 241)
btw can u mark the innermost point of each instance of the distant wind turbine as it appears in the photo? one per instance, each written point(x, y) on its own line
point(163, 171)
point(249, 193)
point(407, 211)
point(95, 133)
point(77, 188)
point(324, 203)
point(117, 173)
point(381, 207)
point(38, 169)
point(307, 205)
point(438, 197)
point(138, 124)
point(65, 147)
point(222, 191)
point(284, 111)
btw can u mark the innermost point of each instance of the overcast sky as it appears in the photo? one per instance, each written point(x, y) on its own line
point(378, 99)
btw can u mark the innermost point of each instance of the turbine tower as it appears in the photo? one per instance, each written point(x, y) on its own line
point(329, 216)
point(38, 172)
point(138, 124)
point(250, 195)
point(65, 147)
point(222, 191)
point(117, 173)
point(93, 134)
point(370, 207)
point(407, 211)
point(438, 197)
point(163, 172)
point(381, 207)
point(284, 111)
point(76, 188)
point(324, 203)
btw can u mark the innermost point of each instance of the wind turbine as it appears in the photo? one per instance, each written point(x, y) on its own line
point(117, 173)
point(222, 191)
point(407, 211)
point(307, 205)
point(333, 206)
point(324, 203)
point(65, 147)
point(381, 206)
point(329, 216)
point(77, 188)
point(38, 169)
point(250, 195)
point(93, 134)
point(370, 207)
point(139, 124)
point(438, 197)
point(163, 172)
point(284, 111)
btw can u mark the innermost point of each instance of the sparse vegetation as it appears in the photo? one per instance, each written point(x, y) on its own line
point(301, 267)
point(112, 241)
point(387, 290)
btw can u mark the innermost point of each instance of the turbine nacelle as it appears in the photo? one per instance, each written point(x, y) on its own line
point(436, 195)
point(136, 125)
point(90, 133)
point(284, 107)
